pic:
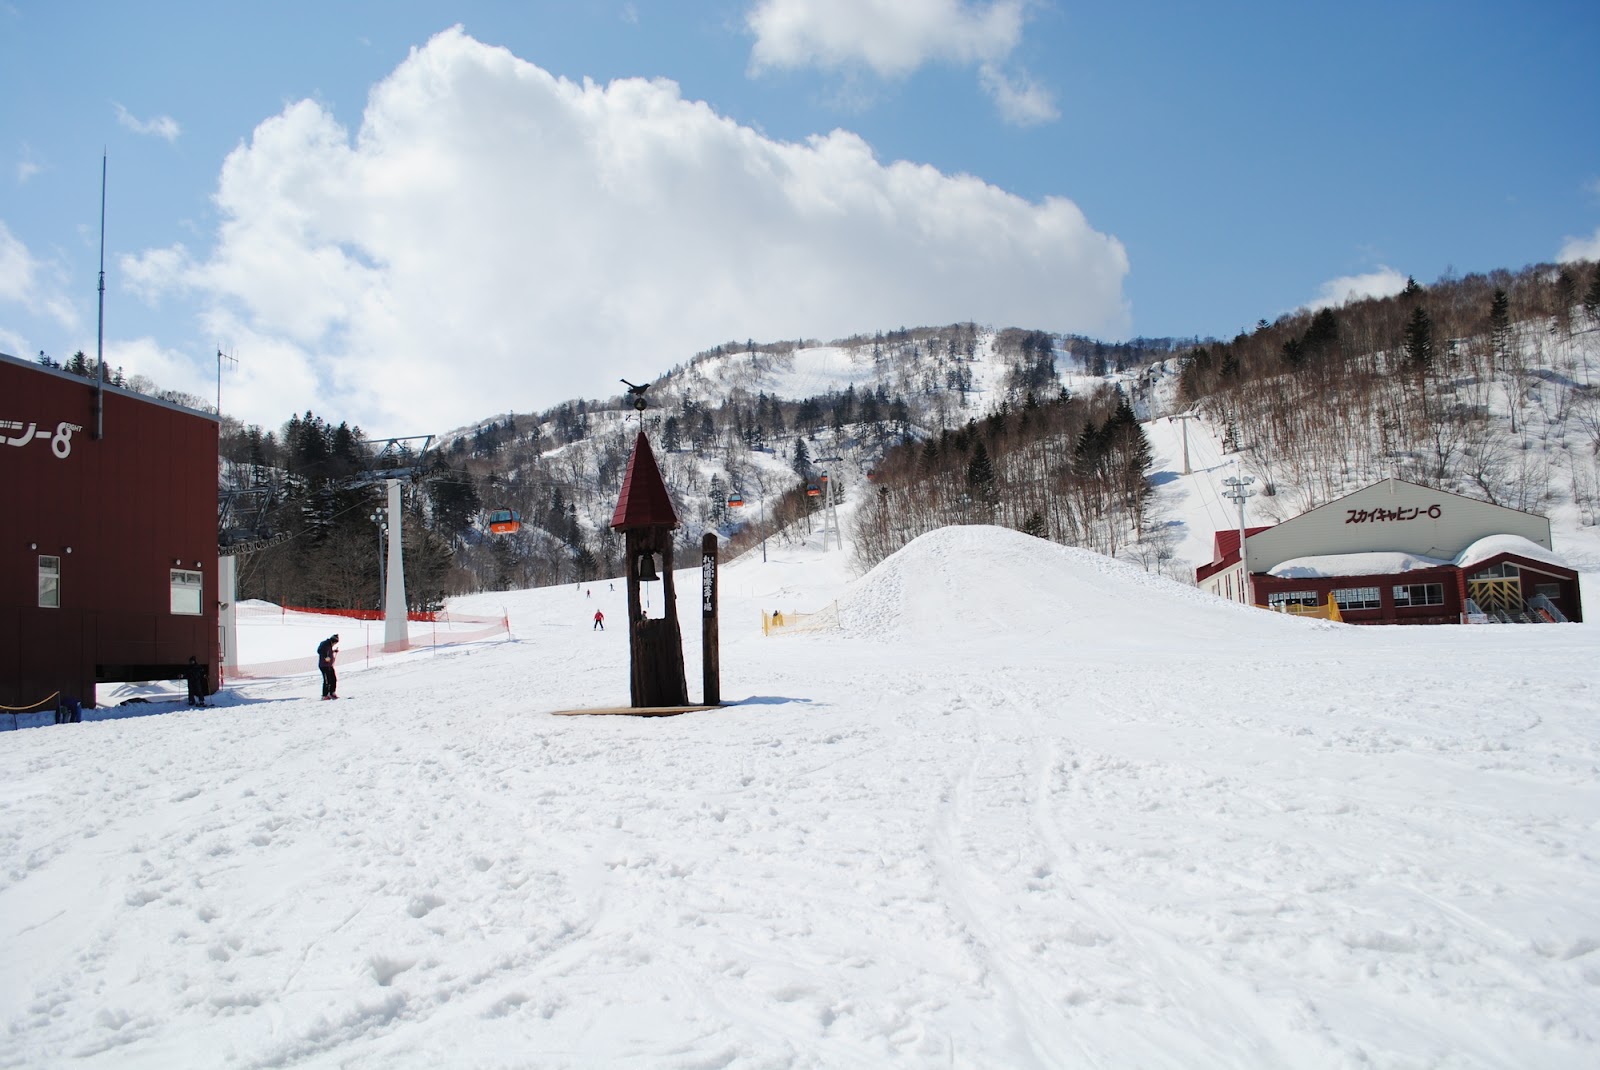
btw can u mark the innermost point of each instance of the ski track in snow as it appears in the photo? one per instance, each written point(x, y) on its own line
point(1025, 807)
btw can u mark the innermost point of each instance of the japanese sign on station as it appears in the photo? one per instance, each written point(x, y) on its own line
point(17, 433)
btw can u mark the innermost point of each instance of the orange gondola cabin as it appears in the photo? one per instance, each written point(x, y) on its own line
point(505, 521)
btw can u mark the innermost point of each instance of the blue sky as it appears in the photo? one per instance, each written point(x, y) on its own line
point(410, 226)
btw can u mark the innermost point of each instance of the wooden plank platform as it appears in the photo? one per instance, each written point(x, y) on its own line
point(630, 711)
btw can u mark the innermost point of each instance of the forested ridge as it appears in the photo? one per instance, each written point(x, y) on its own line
point(1479, 384)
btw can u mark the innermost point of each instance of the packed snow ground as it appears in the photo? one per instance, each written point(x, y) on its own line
point(1009, 805)
point(1024, 806)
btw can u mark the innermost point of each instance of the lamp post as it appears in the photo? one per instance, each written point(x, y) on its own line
point(380, 517)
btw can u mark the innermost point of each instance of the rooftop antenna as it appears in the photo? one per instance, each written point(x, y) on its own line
point(100, 331)
point(221, 356)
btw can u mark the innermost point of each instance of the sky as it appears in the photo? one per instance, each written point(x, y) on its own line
point(412, 216)
point(997, 802)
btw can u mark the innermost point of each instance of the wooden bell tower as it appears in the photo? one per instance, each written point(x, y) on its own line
point(645, 516)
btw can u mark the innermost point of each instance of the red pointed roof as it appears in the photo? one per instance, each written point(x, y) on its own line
point(644, 502)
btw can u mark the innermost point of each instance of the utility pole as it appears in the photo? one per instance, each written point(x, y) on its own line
point(1236, 492)
point(1185, 417)
point(380, 517)
point(100, 329)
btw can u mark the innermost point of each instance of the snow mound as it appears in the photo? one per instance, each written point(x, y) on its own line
point(1006, 583)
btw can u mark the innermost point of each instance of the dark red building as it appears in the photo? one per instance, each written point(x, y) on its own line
point(108, 570)
point(1400, 553)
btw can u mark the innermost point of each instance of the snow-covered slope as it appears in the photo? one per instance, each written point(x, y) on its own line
point(1021, 808)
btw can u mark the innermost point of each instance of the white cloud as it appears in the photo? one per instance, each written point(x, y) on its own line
point(494, 238)
point(893, 38)
point(1580, 248)
point(33, 285)
point(1385, 282)
point(1026, 104)
point(27, 165)
point(162, 126)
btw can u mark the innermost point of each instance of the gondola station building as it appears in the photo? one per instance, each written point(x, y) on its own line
point(108, 566)
point(1400, 553)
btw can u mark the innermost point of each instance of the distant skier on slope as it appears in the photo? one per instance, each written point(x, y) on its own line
point(599, 621)
point(327, 651)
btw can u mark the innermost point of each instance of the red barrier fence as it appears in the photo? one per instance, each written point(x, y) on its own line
point(350, 656)
point(368, 614)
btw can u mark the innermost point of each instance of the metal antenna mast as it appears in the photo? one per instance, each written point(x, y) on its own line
point(100, 330)
point(221, 356)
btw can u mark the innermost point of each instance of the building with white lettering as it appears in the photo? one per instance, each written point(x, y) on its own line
point(108, 565)
point(1400, 553)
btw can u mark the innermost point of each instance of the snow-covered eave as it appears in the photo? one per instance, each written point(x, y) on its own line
point(1389, 563)
point(1492, 546)
point(1371, 563)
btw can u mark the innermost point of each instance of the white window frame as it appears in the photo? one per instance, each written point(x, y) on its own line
point(1402, 594)
point(1358, 598)
point(49, 582)
point(1299, 599)
point(188, 592)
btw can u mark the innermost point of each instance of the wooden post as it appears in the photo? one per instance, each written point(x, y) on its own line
point(710, 662)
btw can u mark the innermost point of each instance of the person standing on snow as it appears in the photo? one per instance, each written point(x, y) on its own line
point(195, 674)
point(599, 621)
point(327, 650)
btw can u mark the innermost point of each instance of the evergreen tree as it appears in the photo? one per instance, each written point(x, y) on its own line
point(718, 495)
point(1591, 297)
point(1500, 325)
point(1419, 341)
point(980, 474)
point(802, 457)
point(1036, 526)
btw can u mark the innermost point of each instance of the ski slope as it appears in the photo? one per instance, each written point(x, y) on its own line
point(1021, 806)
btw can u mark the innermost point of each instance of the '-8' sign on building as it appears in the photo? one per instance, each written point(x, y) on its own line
point(17, 433)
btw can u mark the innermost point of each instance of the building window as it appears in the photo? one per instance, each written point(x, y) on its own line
point(1279, 599)
point(49, 582)
point(186, 589)
point(1357, 598)
point(1551, 591)
point(1419, 594)
point(1504, 570)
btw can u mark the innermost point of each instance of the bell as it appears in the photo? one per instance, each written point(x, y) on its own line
point(647, 568)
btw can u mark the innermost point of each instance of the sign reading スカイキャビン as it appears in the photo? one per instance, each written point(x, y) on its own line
point(17, 433)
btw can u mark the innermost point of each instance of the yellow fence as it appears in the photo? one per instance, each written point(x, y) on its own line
point(1327, 612)
point(782, 621)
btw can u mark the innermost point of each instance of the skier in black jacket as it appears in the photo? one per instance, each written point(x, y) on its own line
point(327, 650)
point(195, 674)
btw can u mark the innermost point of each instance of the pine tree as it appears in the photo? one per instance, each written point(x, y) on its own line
point(1591, 298)
point(802, 457)
point(1419, 341)
point(1500, 324)
point(980, 474)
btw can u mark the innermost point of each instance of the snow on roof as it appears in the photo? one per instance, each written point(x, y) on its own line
point(1387, 562)
point(1376, 563)
point(1494, 545)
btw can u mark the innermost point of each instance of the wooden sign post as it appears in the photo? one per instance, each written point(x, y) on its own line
point(710, 662)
